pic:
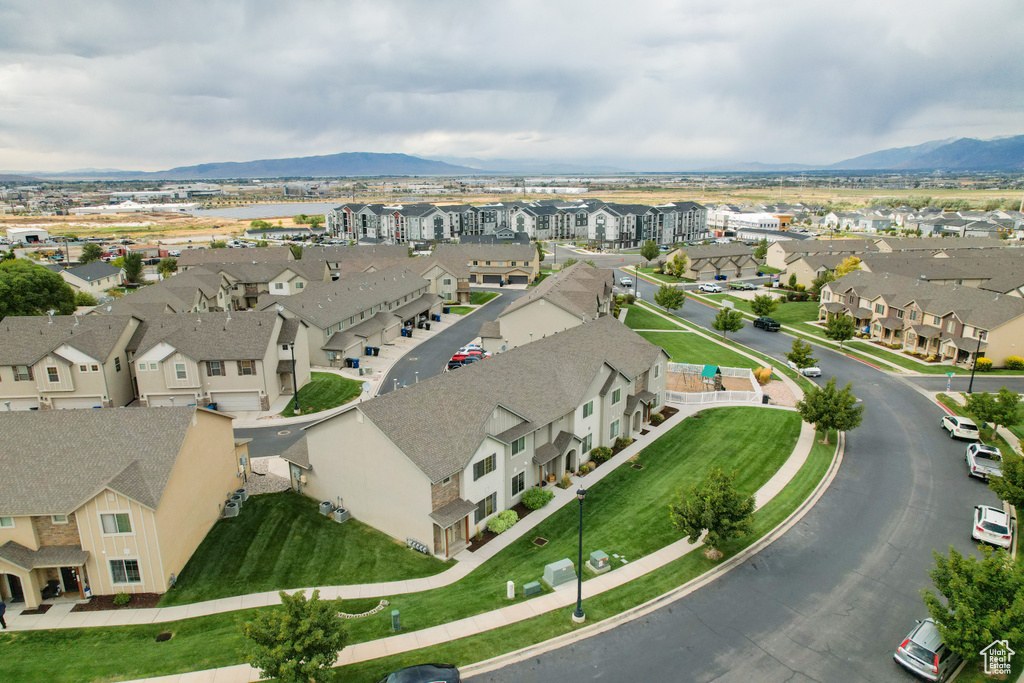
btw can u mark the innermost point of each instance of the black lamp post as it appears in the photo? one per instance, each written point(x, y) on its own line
point(295, 381)
point(578, 615)
point(970, 387)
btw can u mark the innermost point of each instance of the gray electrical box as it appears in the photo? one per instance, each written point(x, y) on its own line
point(557, 573)
point(599, 562)
point(532, 588)
point(396, 620)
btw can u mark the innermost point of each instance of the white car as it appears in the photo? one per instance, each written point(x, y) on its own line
point(960, 427)
point(983, 461)
point(711, 288)
point(991, 525)
point(813, 371)
point(625, 281)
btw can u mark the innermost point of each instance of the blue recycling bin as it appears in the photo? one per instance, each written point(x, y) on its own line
point(369, 351)
point(355, 362)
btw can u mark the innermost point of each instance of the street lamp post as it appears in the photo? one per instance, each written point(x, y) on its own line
point(295, 381)
point(578, 615)
point(970, 387)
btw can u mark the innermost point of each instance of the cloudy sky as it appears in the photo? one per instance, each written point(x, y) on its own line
point(644, 85)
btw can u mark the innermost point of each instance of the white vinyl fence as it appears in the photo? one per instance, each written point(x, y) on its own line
point(708, 397)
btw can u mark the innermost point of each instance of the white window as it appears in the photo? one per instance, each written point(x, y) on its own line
point(142, 367)
point(614, 431)
point(587, 443)
point(518, 483)
point(214, 368)
point(616, 396)
point(246, 367)
point(518, 445)
point(22, 373)
point(125, 571)
point(179, 371)
point(59, 519)
point(485, 508)
point(485, 466)
point(52, 375)
point(116, 523)
point(588, 409)
point(657, 371)
point(6, 522)
point(278, 285)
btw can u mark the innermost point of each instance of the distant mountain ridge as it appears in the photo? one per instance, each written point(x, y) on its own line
point(962, 154)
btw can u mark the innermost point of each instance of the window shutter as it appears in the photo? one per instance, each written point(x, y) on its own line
point(239, 366)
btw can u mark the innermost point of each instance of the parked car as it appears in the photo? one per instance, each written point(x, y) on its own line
point(471, 347)
point(961, 427)
point(626, 281)
point(743, 286)
point(766, 323)
point(992, 526)
point(459, 357)
point(424, 673)
point(471, 359)
point(453, 365)
point(983, 461)
point(710, 287)
point(812, 371)
point(924, 654)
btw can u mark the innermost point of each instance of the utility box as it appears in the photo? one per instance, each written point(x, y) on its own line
point(532, 588)
point(396, 620)
point(599, 562)
point(557, 573)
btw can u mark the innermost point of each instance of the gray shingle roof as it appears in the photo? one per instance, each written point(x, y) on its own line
point(197, 257)
point(451, 513)
point(298, 453)
point(179, 293)
point(487, 252)
point(707, 251)
point(46, 556)
point(848, 246)
point(440, 422)
point(212, 336)
point(490, 329)
point(52, 461)
point(94, 271)
point(579, 289)
point(26, 339)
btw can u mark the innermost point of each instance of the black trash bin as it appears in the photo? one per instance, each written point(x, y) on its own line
point(426, 326)
point(376, 350)
point(447, 310)
point(764, 399)
point(420, 324)
point(348, 362)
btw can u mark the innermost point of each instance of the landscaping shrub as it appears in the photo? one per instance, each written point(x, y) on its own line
point(630, 299)
point(503, 521)
point(566, 481)
point(657, 419)
point(801, 288)
point(984, 364)
point(931, 359)
point(584, 469)
point(601, 454)
point(621, 443)
point(1014, 363)
point(535, 499)
point(763, 375)
point(122, 599)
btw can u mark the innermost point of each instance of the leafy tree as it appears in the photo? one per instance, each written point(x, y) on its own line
point(983, 407)
point(301, 219)
point(260, 225)
point(540, 253)
point(840, 328)
point(118, 262)
point(568, 262)
point(677, 266)
point(714, 505)
point(800, 355)
point(1003, 408)
point(670, 298)
point(649, 251)
point(218, 244)
point(1011, 411)
point(763, 304)
point(133, 266)
point(1010, 486)
point(761, 250)
point(983, 600)
point(262, 243)
point(167, 266)
point(847, 266)
point(298, 643)
point(792, 281)
point(315, 222)
point(817, 283)
point(30, 289)
point(8, 255)
point(830, 408)
point(296, 251)
point(90, 252)
point(728, 320)
point(85, 299)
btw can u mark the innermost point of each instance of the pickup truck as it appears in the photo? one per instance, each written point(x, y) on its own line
point(983, 461)
point(766, 323)
point(742, 286)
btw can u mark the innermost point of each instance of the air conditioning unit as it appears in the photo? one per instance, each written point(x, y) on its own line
point(243, 493)
point(230, 509)
point(341, 515)
point(236, 499)
point(326, 507)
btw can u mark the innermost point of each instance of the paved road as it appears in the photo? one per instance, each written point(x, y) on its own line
point(981, 383)
point(271, 440)
point(431, 357)
point(831, 599)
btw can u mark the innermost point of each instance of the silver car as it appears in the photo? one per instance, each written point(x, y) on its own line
point(923, 653)
point(983, 461)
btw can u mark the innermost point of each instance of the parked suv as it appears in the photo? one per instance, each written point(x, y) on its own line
point(766, 323)
point(983, 461)
point(625, 281)
point(961, 427)
point(710, 287)
point(924, 654)
point(992, 526)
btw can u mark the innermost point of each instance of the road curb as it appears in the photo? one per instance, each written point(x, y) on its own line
point(671, 596)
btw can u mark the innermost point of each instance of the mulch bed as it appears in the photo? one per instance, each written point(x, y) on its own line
point(104, 602)
point(668, 411)
point(489, 535)
point(42, 609)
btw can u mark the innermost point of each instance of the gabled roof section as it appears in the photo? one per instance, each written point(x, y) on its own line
point(579, 289)
point(214, 257)
point(93, 271)
point(237, 335)
point(26, 339)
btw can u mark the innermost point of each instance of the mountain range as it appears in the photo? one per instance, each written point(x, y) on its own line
point(956, 154)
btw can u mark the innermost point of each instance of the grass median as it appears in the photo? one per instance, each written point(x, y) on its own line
point(324, 391)
point(480, 298)
point(640, 318)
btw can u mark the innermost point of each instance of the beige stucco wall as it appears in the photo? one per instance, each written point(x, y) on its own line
point(1006, 340)
point(776, 257)
point(541, 318)
point(141, 544)
point(376, 481)
point(203, 478)
point(23, 533)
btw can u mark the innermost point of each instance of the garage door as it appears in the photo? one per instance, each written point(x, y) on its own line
point(519, 279)
point(493, 279)
point(69, 402)
point(164, 400)
point(21, 403)
point(241, 401)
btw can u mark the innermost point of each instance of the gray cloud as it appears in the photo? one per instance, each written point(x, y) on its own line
point(662, 84)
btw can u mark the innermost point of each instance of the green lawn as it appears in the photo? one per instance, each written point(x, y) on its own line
point(540, 278)
point(640, 318)
point(662, 277)
point(281, 540)
point(686, 347)
point(786, 313)
point(460, 310)
point(480, 298)
point(768, 270)
point(325, 390)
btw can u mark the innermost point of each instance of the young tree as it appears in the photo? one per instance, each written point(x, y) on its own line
point(298, 643)
point(982, 600)
point(133, 266)
point(763, 304)
point(817, 283)
point(540, 253)
point(847, 266)
point(315, 222)
point(649, 251)
point(840, 328)
point(30, 289)
point(670, 298)
point(296, 251)
point(218, 244)
point(714, 505)
point(85, 299)
point(728, 320)
point(167, 266)
point(792, 281)
point(1010, 411)
point(1010, 486)
point(982, 407)
point(830, 408)
point(761, 250)
point(800, 355)
point(90, 252)
point(677, 266)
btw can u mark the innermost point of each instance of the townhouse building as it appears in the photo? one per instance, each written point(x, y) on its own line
point(711, 261)
point(494, 263)
point(66, 361)
point(783, 252)
point(93, 278)
point(236, 362)
point(430, 464)
point(196, 290)
point(952, 323)
point(137, 491)
point(201, 257)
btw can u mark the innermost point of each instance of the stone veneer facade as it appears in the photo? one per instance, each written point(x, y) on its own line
point(49, 533)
